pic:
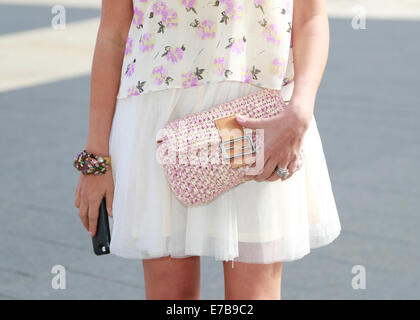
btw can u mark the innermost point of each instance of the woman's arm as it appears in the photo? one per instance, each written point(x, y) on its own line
point(310, 35)
point(283, 134)
point(105, 79)
point(106, 71)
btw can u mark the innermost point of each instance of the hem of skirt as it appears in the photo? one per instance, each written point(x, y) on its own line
point(321, 241)
point(316, 241)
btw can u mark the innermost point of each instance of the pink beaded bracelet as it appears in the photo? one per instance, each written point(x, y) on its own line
point(88, 163)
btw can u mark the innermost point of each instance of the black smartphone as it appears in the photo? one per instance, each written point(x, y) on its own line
point(102, 239)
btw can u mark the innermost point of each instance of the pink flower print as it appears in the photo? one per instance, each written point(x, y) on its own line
point(138, 18)
point(206, 29)
point(286, 81)
point(147, 42)
point(128, 46)
point(132, 91)
point(174, 54)
point(189, 5)
point(189, 79)
point(135, 90)
point(159, 7)
point(144, 1)
point(245, 74)
point(130, 69)
point(159, 75)
point(272, 34)
point(237, 45)
point(278, 67)
point(233, 10)
point(259, 4)
point(169, 18)
point(219, 65)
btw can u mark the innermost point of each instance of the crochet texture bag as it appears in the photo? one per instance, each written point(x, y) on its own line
point(208, 153)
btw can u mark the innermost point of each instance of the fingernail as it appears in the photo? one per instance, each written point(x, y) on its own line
point(91, 233)
point(240, 117)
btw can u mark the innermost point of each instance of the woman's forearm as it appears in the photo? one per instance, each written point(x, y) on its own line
point(108, 57)
point(310, 51)
point(105, 79)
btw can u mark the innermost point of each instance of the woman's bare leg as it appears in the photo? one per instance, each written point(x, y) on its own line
point(249, 281)
point(169, 278)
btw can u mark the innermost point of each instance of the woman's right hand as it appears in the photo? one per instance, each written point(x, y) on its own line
point(90, 191)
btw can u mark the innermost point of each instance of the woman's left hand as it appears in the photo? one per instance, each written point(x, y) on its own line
point(283, 137)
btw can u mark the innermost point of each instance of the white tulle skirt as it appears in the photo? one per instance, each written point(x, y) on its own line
point(257, 222)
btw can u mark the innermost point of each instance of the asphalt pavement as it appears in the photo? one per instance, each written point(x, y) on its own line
point(368, 113)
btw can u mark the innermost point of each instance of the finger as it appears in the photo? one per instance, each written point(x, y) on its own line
point(77, 200)
point(292, 168)
point(109, 200)
point(268, 170)
point(250, 122)
point(83, 213)
point(300, 161)
point(283, 164)
point(252, 172)
point(93, 214)
point(274, 176)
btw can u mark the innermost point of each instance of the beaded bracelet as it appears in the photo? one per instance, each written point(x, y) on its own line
point(88, 163)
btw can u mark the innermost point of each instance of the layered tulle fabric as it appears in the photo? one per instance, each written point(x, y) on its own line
point(257, 222)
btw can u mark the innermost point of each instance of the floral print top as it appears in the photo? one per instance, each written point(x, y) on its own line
point(185, 43)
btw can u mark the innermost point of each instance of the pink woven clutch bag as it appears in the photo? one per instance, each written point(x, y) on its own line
point(199, 162)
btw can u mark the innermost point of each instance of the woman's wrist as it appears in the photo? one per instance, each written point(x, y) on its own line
point(99, 147)
point(301, 108)
point(303, 99)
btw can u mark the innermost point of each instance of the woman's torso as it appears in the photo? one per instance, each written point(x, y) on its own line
point(185, 43)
